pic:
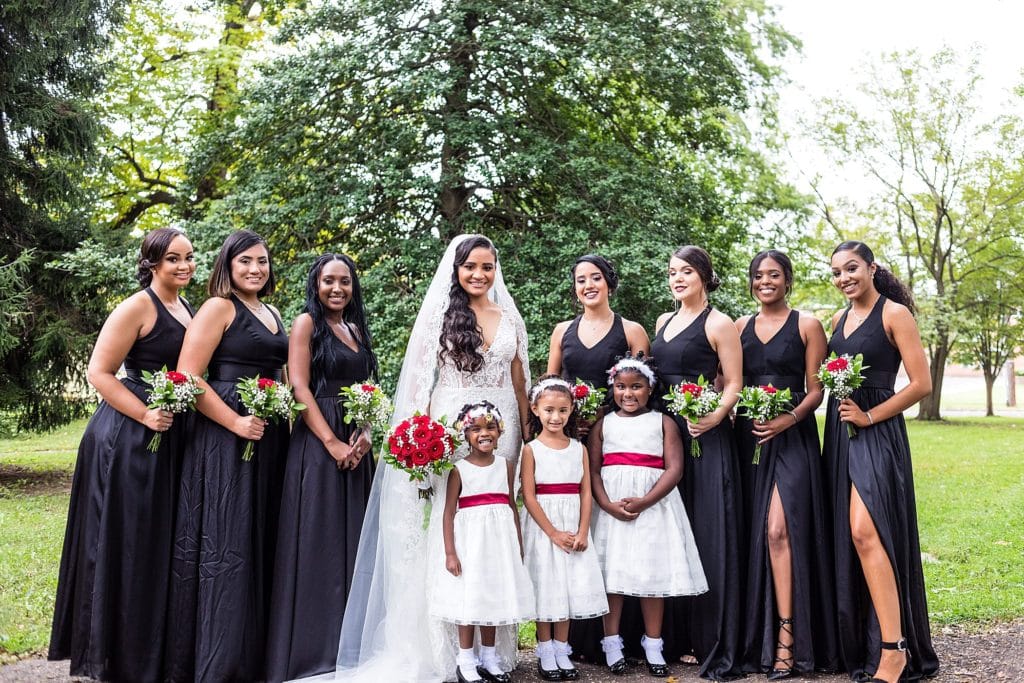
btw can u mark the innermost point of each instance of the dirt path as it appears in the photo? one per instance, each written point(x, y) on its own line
point(995, 654)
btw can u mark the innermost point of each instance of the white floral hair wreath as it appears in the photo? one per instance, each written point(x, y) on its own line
point(546, 384)
point(488, 412)
point(631, 364)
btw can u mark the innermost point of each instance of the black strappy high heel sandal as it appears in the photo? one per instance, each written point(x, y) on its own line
point(776, 674)
point(900, 645)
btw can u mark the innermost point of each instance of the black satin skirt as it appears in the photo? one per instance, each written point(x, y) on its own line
point(322, 511)
point(709, 625)
point(877, 462)
point(112, 588)
point(223, 556)
point(792, 462)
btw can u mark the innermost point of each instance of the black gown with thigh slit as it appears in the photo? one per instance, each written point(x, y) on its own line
point(322, 511)
point(227, 521)
point(115, 566)
point(877, 462)
point(709, 625)
point(791, 462)
point(590, 364)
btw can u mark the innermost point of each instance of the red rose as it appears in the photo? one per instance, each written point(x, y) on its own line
point(768, 389)
point(580, 391)
point(420, 457)
point(692, 389)
point(420, 420)
point(176, 377)
point(435, 450)
point(837, 365)
point(265, 383)
point(421, 434)
point(437, 430)
point(368, 388)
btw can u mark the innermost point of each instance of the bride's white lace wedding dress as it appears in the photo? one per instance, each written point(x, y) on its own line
point(387, 633)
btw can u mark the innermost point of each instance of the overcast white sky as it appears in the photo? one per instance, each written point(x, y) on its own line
point(839, 37)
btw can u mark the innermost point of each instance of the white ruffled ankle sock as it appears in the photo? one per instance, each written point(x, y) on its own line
point(612, 646)
point(652, 648)
point(562, 652)
point(489, 659)
point(546, 655)
point(466, 662)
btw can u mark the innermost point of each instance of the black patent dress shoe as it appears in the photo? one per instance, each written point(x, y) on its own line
point(657, 670)
point(618, 668)
point(569, 674)
point(503, 677)
point(549, 674)
point(462, 679)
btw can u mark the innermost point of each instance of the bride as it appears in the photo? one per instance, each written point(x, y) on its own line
point(468, 343)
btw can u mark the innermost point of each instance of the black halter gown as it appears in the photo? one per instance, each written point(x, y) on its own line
point(322, 511)
point(792, 462)
point(227, 522)
point(877, 462)
point(707, 625)
point(114, 570)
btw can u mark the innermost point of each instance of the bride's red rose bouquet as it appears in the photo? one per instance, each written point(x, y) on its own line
point(764, 403)
point(693, 401)
point(268, 400)
point(419, 446)
point(172, 391)
point(841, 375)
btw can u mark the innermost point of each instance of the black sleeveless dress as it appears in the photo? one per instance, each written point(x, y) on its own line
point(792, 462)
point(709, 624)
point(877, 462)
point(227, 522)
point(591, 364)
point(322, 511)
point(115, 566)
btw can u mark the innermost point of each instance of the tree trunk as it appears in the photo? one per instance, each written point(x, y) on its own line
point(990, 380)
point(454, 194)
point(929, 408)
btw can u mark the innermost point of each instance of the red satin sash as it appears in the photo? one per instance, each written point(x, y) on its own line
point(557, 488)
point(483, 499)
point(635, 459)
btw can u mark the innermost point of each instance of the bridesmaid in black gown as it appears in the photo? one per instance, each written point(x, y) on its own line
point(790, 604)
point(584, 348)
point(698, 340)
point(113, 582)
point(883, 611)
point(327, 478)
point(228, 508)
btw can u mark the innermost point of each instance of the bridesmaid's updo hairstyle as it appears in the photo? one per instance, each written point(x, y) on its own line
point(777, 256)
point(700, 260)
point(152, 251)
point(887, 284)
point(321, 346)
point(601, 263)
point(237, 242)
point(557, 384)
point(461, 338)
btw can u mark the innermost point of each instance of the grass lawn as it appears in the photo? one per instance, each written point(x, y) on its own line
point(970, 495)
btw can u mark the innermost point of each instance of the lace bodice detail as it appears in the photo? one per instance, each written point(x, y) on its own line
point(496, 371)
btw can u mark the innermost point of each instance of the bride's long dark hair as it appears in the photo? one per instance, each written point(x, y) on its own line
point(461, 337)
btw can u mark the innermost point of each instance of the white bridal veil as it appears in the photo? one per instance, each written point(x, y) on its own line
point(387, 633)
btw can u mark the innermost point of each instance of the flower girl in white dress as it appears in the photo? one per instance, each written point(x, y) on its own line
point(641, 530)
point(486, 584)
point(556, 527)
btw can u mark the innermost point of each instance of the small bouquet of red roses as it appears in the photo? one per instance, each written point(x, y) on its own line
point(172, 391)
point(841, 375)
point(268, 400)
point(693, 401)
point(763, 403)
point(419, 446)
point(365, 404)
point(587, 400)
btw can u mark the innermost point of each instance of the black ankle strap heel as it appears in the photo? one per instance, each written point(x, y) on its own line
point(776, 674)
point(900, 646)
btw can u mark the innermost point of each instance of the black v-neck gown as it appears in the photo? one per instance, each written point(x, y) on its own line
point(115, 566)
point(591, 364)
point(707, 625)
point(792, 462)
point(322, 511)
point(227, 522)
point(877, 462)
